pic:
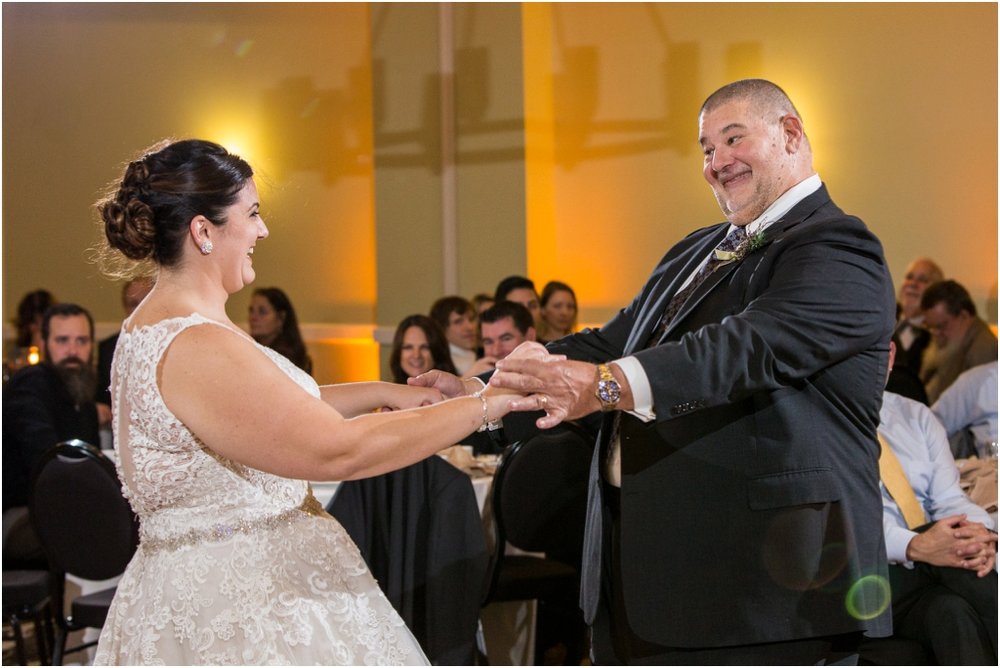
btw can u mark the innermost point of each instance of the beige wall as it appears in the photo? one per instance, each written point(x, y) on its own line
point(899, 100)
point(575, 153)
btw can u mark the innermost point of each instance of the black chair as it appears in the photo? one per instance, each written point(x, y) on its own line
point(893, 651)
point(26, 596)
point(420, 533)
point(538, 503)
point(87, 529)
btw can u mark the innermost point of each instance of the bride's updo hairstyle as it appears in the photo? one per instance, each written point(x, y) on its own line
point(148, 217)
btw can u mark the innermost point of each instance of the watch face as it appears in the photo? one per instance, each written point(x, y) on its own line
point(608, 391)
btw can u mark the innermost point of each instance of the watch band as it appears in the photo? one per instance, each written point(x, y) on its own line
point(609, 392)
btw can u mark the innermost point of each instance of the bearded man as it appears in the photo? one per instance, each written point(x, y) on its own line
point(43, 405)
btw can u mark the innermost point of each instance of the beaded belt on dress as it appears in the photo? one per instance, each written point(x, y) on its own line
point(220, 532)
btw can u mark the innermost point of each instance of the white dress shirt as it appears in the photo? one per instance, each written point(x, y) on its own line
point(971, 403)
point(920, 443)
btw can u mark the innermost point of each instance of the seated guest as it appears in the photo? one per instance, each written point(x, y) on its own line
point(521, 290)
point(968, 410)
point(133, 292)
point(505, 325)
point(962, 339)
point(910, 336)
point(43, 405)
point(558, 310)
point(457, 319)
point(419, 345)
point(30, 311)
point(28, 324)
point(481, 302)
point(273, 324)
point(940, 547)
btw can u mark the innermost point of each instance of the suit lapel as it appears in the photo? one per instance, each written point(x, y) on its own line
point(772, 235)
point(672, 275)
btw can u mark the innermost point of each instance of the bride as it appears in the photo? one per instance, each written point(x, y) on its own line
point(237, 562)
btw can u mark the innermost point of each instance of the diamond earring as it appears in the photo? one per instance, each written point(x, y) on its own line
point(206, 247)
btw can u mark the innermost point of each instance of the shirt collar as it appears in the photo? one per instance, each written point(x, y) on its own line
point(784, 204)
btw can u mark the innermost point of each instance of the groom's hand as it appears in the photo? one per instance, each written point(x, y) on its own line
point(565, 389)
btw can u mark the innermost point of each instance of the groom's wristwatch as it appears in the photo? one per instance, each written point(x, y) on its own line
point(609, 392)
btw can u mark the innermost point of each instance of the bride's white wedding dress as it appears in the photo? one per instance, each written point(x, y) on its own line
point(235, 566)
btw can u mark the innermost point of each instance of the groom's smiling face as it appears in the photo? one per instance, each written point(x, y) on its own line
point(747, 159)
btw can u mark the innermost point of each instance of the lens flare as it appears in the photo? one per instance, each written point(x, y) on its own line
point(244, 48)
point(868, 598)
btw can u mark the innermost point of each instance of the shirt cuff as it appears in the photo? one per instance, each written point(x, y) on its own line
point(638, 382)
point(896, 542)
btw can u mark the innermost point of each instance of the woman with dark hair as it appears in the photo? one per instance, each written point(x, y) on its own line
point(419, 345)
point(273, 324)
point(216, 436)
point(559, 311)
point(29, 317)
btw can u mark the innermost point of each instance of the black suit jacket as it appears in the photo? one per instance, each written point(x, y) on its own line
point(37, 414)
point(750, 507)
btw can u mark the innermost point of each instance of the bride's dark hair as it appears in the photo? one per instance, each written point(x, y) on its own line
point(147, 215)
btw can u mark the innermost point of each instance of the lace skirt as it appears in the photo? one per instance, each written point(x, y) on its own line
point(290, 592)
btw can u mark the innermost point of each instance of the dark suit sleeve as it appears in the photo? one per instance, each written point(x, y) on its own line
point(812, 298)
point(33, 420)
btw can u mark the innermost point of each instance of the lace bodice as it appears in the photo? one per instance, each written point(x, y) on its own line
point(235, 566)
point(173, 482)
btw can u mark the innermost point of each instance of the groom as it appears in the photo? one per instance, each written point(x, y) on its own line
point(735, 514)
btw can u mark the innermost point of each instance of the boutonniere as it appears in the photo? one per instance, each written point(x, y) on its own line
point(751, 244)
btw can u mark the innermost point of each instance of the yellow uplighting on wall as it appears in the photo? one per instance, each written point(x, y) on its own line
point(240, 136)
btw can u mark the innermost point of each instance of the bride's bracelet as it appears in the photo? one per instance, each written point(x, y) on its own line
point(488, 424)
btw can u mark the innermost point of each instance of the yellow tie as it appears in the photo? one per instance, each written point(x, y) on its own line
point(899, 487)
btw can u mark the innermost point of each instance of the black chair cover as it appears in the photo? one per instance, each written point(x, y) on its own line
point(420, 532)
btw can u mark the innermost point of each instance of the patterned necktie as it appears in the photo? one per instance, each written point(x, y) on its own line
point(732, 241)
point(898, 486)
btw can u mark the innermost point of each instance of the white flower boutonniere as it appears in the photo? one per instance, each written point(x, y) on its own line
point(749, 245)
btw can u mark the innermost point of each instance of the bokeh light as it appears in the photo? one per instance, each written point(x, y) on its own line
point(868, 598)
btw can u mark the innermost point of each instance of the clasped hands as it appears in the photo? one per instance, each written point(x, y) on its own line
point(956, 542)
point(560, 387)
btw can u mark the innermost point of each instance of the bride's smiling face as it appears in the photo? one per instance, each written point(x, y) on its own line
point(243, 229)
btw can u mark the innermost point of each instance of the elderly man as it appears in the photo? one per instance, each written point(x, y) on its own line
point(962, 339)
point(911, 337)
point(735, 514)
point(43, 405)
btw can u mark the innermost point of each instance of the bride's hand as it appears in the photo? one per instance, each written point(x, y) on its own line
point(399, 397)
point(448, 384)
point(532, 350)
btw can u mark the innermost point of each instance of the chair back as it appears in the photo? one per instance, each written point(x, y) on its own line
point(82, 519)
point(539, 497)
point(420, 533)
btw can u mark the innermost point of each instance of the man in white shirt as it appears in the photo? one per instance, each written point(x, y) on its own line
point(943, 577)
point(968, 411)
